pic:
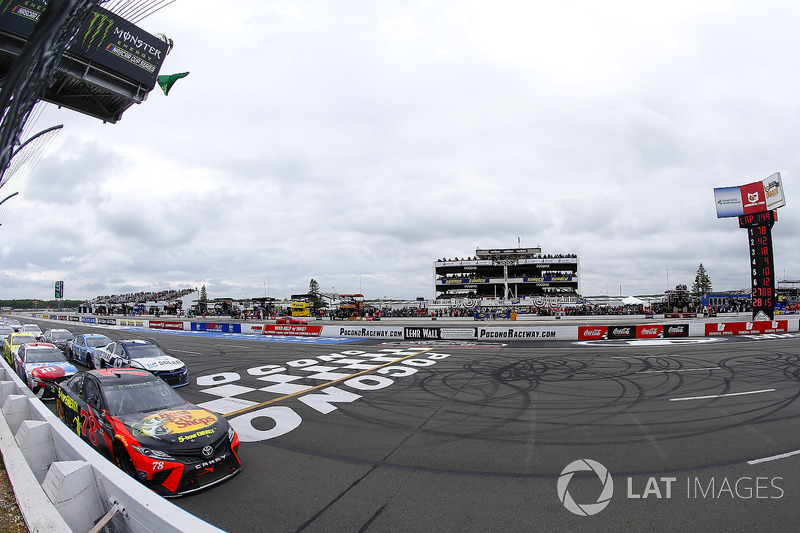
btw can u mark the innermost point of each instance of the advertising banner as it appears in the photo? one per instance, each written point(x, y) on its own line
point(422, 333)
point(527, 333)
point(720, 329)
point(649, 331)
point(294, 330)
point(621, 332)
point(676, 330)
point(459, 333)
point(756, 197)
point(219, 328)
point(166, 324)
point(104, 38)
point(592, 333)
point(20, 16)
point(370, 332)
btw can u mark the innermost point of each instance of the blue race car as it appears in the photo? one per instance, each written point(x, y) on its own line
point(81, 348)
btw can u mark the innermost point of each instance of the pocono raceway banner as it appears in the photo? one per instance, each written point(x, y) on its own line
point(511, 332)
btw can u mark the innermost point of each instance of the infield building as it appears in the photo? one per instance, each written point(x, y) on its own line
point(507, 273)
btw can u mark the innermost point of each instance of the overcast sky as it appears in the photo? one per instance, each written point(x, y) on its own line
point(356, 142)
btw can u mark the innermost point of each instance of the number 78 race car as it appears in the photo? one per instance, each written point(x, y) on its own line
point(139, 422)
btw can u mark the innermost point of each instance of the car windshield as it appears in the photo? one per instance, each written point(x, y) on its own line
point(94, 342)
point(61, 335)
point(141, 397)
point(31, 328)
point(44, 355)
point(139, 351)
point(24, 339)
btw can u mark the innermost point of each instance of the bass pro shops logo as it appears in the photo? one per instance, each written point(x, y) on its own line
point(585, 509)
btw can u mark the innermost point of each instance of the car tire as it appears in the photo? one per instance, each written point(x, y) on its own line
point(89, 363)
point(123, 459)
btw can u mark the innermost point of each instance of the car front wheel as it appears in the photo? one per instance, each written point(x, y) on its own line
point(123, 460)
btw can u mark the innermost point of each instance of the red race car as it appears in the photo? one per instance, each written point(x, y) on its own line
point(139, 422)
point(291, 320)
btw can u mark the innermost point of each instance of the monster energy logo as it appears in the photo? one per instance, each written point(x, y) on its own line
point(100, 24)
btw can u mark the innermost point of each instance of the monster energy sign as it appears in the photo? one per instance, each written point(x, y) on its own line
point(105, 38)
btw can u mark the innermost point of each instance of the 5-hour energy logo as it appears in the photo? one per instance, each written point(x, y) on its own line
point(662, 487)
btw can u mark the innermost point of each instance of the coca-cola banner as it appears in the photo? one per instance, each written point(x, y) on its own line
point(621, 332)
point(675, 330)
point(591, 333)
point(649, 331)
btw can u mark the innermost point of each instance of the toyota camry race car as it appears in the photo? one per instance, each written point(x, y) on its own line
point(139, 422)
point(143, 354)
point(40, 365)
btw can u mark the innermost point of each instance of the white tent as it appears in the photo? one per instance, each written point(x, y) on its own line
point(632, 300)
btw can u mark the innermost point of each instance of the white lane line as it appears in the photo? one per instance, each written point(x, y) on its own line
point(678, 370)
point(712, 396)
point(232, 346)
point(184, 351)
point(773, 457)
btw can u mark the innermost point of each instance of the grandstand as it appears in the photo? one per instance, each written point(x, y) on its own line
point(168, 301)
point(507, 273)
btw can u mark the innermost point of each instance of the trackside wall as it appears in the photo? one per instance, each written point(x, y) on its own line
point(63, 485)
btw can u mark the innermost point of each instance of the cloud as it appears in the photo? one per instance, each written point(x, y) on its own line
point(357, 143)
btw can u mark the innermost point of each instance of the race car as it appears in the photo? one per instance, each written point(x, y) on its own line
point(139, 422)
point(143, 354)
point(12, 343)
point(81, 348)
point(290, 320)
point(58, 336)
point(40, 365)
point(33, 329)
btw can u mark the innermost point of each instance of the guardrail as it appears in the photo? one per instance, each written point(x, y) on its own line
point(63, 485)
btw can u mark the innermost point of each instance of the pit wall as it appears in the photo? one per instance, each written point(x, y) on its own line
point(634, 327)
point(62, 485)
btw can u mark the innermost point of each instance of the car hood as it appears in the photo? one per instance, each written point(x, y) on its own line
point(66, 367)
point(188, 425)
point(158, 363)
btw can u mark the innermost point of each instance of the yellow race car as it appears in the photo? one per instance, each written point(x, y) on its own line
point(12, 342)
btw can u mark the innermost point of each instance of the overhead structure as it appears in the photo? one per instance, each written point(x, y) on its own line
point(109, 65)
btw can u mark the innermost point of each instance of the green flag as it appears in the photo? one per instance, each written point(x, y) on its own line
point(166, 82)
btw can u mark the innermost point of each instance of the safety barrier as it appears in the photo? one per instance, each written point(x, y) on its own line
point(63, 485)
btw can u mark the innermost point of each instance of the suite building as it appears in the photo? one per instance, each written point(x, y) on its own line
point(507, 273)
